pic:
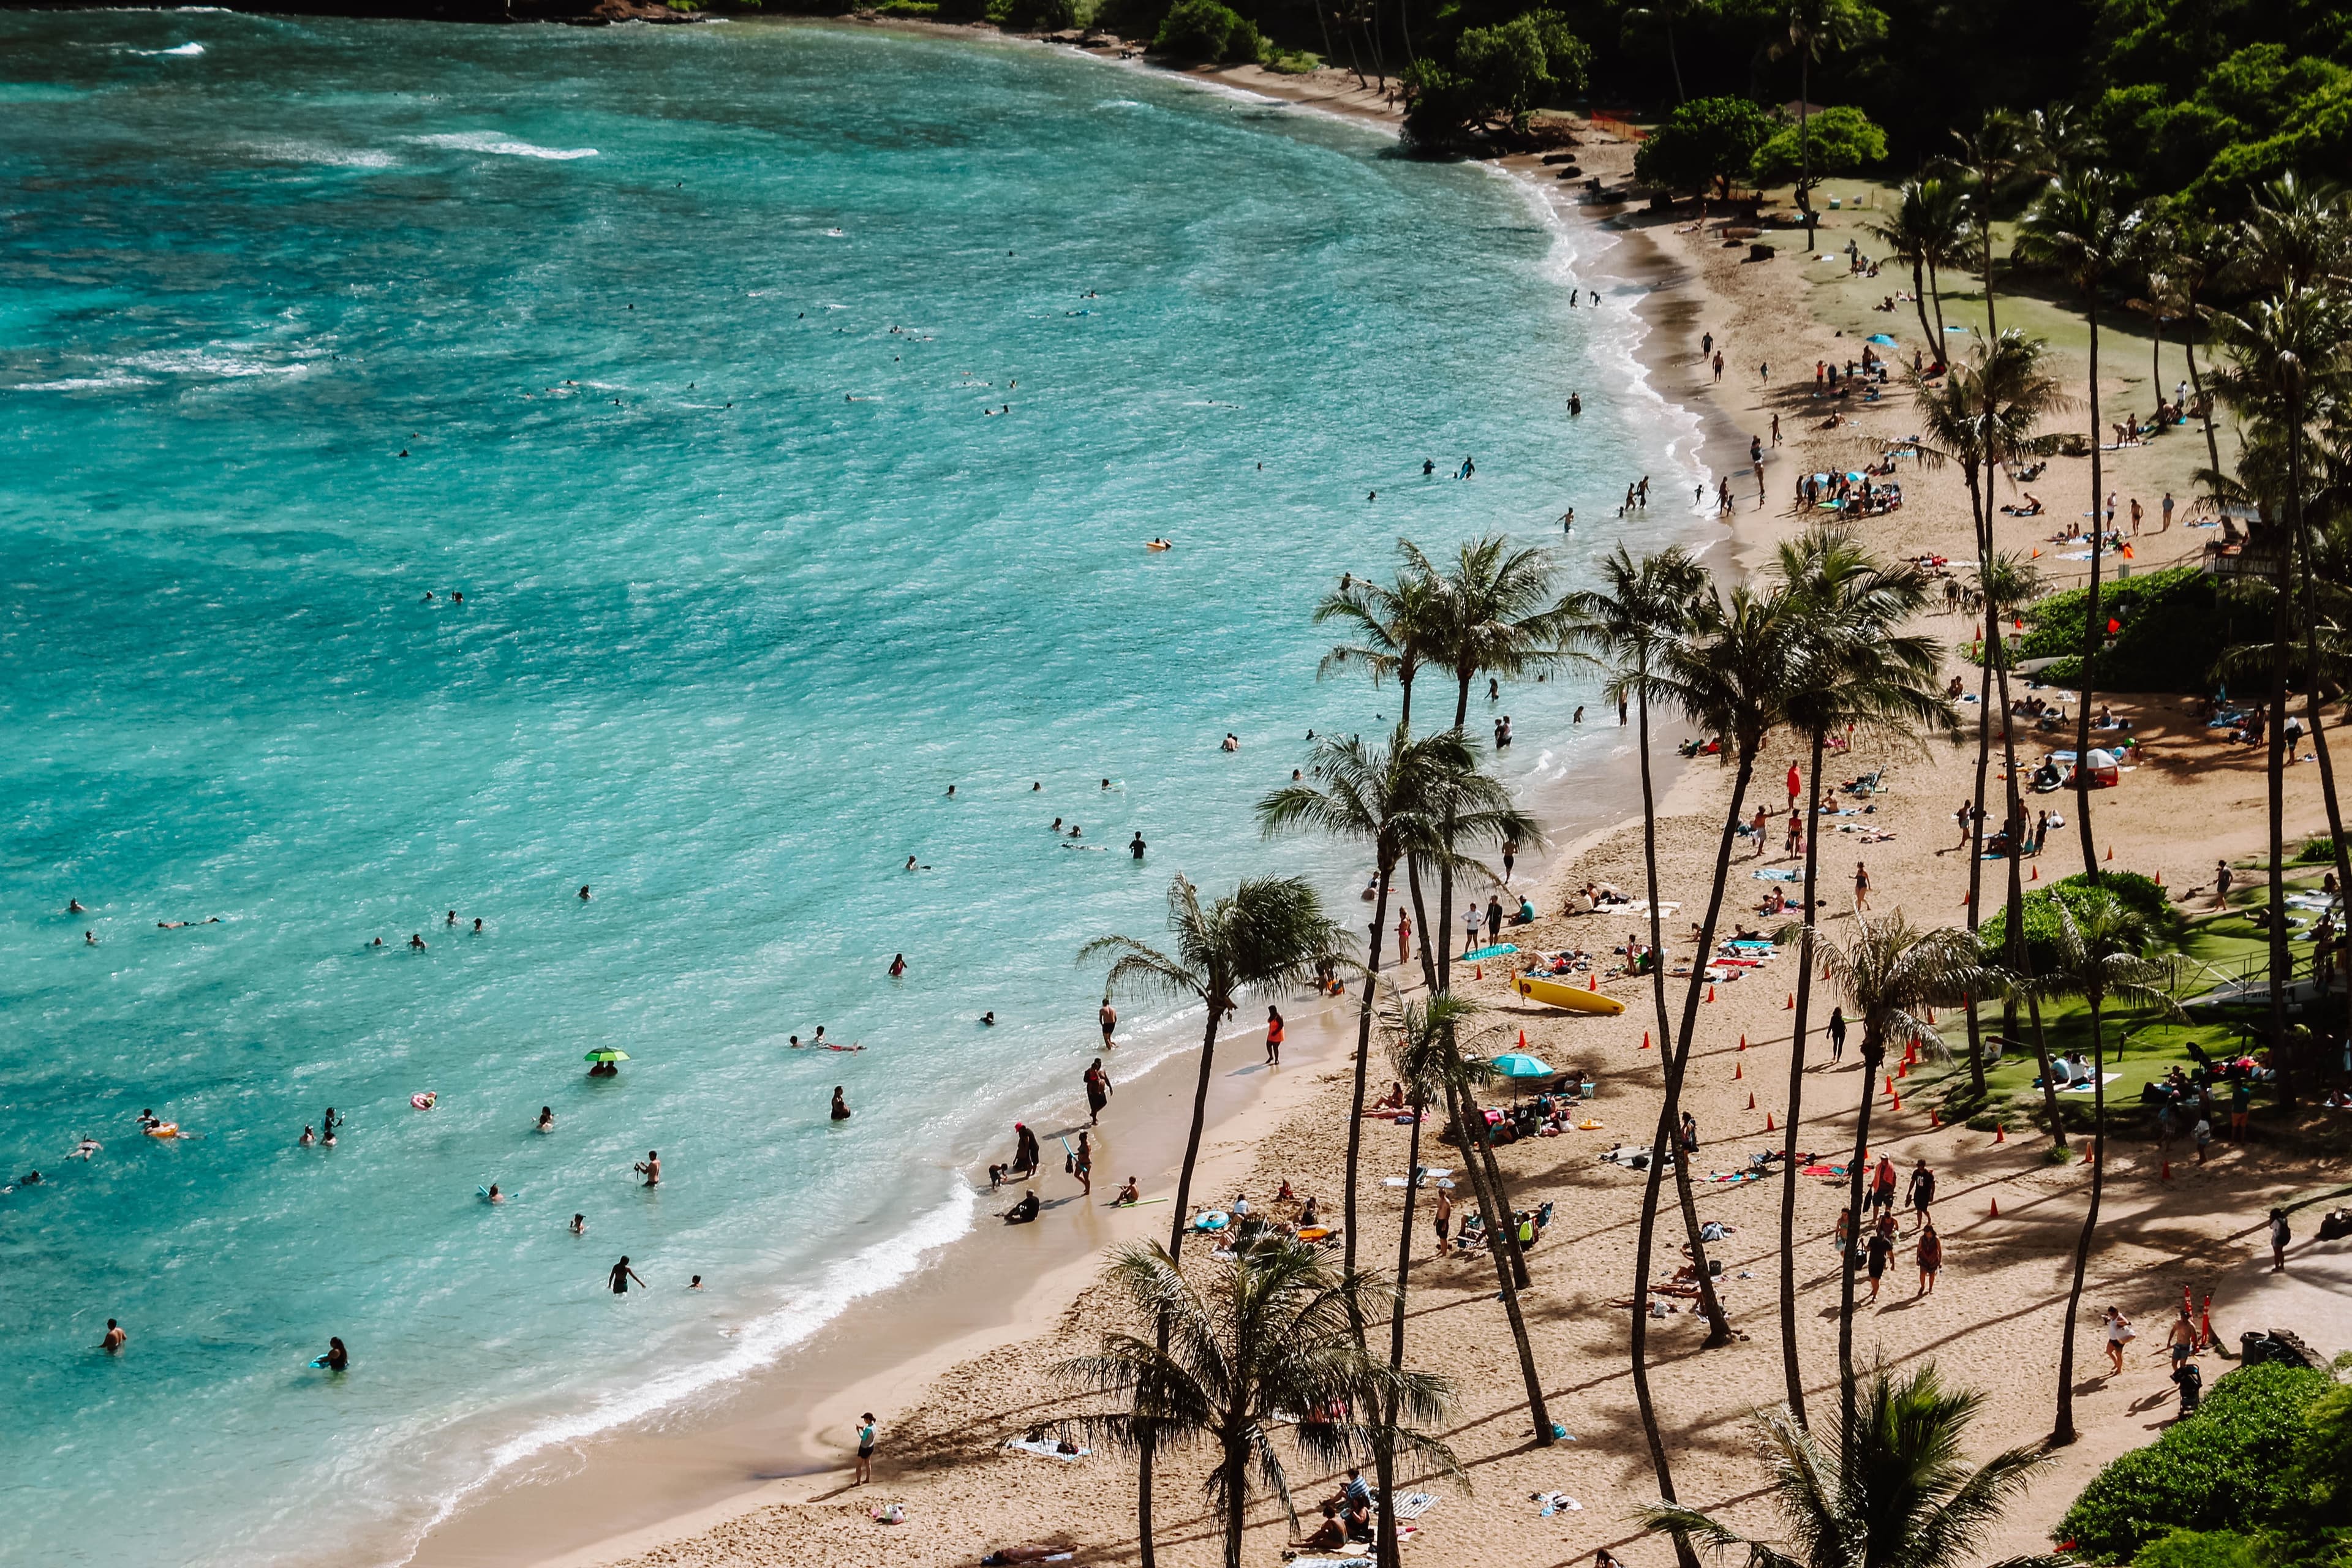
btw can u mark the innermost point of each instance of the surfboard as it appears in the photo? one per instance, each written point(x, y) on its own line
point(1573, 998)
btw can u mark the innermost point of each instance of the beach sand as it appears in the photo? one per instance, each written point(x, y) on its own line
point(962, 1360)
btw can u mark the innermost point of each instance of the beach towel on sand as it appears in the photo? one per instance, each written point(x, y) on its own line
point(1330, 1563)
point(1412, 1505)
point(1044, 1449)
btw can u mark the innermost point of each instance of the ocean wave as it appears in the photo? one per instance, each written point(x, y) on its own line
point(331, 157)
point(83, 383)
point(182, 49)
point(758, 1343)
point(506, 146)
point(204, 362)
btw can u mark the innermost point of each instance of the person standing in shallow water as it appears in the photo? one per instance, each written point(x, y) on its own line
point(1097, 1093)
point(1274, 1037)
point(840, 1105)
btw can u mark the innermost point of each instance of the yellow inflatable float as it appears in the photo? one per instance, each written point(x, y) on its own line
point(1573, 998)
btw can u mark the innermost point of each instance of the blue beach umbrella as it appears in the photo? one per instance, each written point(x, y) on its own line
point(1518, 1064)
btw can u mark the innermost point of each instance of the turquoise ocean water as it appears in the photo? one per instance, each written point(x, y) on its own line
point(689, 335)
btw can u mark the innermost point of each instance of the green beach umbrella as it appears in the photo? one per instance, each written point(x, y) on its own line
point(606, 1057)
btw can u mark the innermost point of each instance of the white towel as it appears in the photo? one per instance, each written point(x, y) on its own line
point(1044, 1448)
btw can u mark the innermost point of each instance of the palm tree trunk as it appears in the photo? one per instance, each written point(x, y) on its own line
point(1719, 1325)
point(1920, 299)
point(1404, 31)
point(1647, 1231)
point(1237, 1496)
point(2281, 956)
point(2094, 622)
point(1176, 1225)
point(1384, 1457)
point(1146, 1555)
point(2316, 707)
point(1421, 914)
point(1804, 139)
point(2197, 386)
point(1674, 60)
point(1935, 292)
point(1873, 1051)
point(1363, 1061)
point(1457, 1106)
point(1791, 1373)
point(2062, 1432)
point(1976, 821)
point(1324, 26)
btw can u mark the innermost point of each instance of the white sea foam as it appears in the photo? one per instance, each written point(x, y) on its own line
point(83, 383)
point(181, 50)
point(314, 152)
point(758, 1343)
point(505, 146)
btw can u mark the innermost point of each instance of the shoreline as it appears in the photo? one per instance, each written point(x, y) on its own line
point(780, 1435)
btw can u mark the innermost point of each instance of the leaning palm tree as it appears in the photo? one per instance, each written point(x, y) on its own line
point(1424, 1041)
point(1891, 974)
point(1895, 1493)
point(1625, 626)
point(1271, 1333)
point(1389, 799)
point(1270, 932)
point(2082, 228)
point(1390, 626)
point(1853, 666)
point(2101, 955)
point(1927, 228)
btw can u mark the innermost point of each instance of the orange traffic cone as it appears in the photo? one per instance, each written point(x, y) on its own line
point(1751, 1100)
point(1896, 1103)
point(1902, 1069)
point(2111, 852)
point(2000, 1133)
point(1646, 1039)
point(1739, 1071)
point(1996, 1209)
point(1890, 1083)
point(1743, 1042)
point(1595, 984)
point(1792, 1002)
point(2037, 875)
point(1710, 993)
point(1523, 1039)
point(2159, 878)
point(1931, 1018)
point(1767, 1122)
point(1479, 971)
point(1934, 1121)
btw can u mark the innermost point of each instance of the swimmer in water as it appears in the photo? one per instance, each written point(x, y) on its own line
point(1233, 743)
point(584, 892)
point(377, 943)
point(337, 1358)
point(1159, 544)
point(621, 1276)
point(1074, 830)
point(1575, 405)
point(911, 862)
point(88, 1146)
point(175, 925)
point(477, 925)
point(649, 1168)
point(840, 1105)
point(950, 792)
point(115, 1338)
point(898, 964)
point(89, 939)
point(416, 942)
point(452, 920)
point(1428, 467)
point(579, 1224)
point(495, 1195)
point(546, 1119)
point(73, 907)
point(695, 1283)
point(1135, 846)
point(308, 1137)
point(989, 1018)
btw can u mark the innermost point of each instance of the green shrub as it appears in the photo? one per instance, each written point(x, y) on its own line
point(2200, 1549)
point(1840, 140)
point(2172, 633)
point(2137, 893)
point(2319, 849)
point(1293, 62)
point(1707, 142)
point(1203, 31)
point(1131, 18)
point(2225, 1468)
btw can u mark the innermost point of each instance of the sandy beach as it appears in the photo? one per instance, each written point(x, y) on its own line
point(961, 1361)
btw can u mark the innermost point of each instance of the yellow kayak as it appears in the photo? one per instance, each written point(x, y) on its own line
point(1575, 998)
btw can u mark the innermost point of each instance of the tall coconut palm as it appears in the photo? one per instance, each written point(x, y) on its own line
point(1729, 674)
point(1271, 1333)
point(1989, 158)
point(1891, 974)
point(2286, 352)
point(1854, 667)
point(1893, 1493)
point(2100, 953)
point(1817, 28)
point(1984, 418)
point(1389, 623)
point(1425, 1043)
point(1269, 932)
point(1928, 227)
point(1388, 798)
point(2082, 228)
point(1493, 614)
point(1624, 626)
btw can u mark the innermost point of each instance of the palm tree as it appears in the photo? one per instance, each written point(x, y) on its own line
point(1989, 156)
point(1625, 626)
point(1815, 28)
point(2284, 353)
point(1854, 668)
point(1927, 228)
point(1422, 1045)
point(1982, 418)
point(2081, 227)
point(1271, 933)
point(2100, 955)
point(1493, 613)
point(1271, 1333)
point(1891, 974)
point(1894, 1494)
point(1386, 798)
point(1391, 625)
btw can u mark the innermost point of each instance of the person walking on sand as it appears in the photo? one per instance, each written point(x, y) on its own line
point(1837, 1034)
point(1082, 1163)
point(1881, 1187)
point(2181, 1338)
point(1442, 1221)
point(864, 1473)
point(2280, 1236)
point(1108, 1016)
point(1097, 1093)
point(1274, 1037)
point(2119, 1335)
point(1860, 888)
point(1877, 1252)
point(1931, 1258)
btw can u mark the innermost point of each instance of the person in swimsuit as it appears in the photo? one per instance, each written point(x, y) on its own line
point(1274, 1037)
point(1442, 1220)
point(115, 1338)
point(840, 1105)
point(1082, 1163)
point(621, 1276)
point(1880, 1250)
point(1025, 1211)
point(1108, 1016)
point(1097, 1093)
point(337, 1358)
point(547, 1118)
point(650, 1166)
point(579, 1224)
point(1129, 1193)
point(1931, 1257)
